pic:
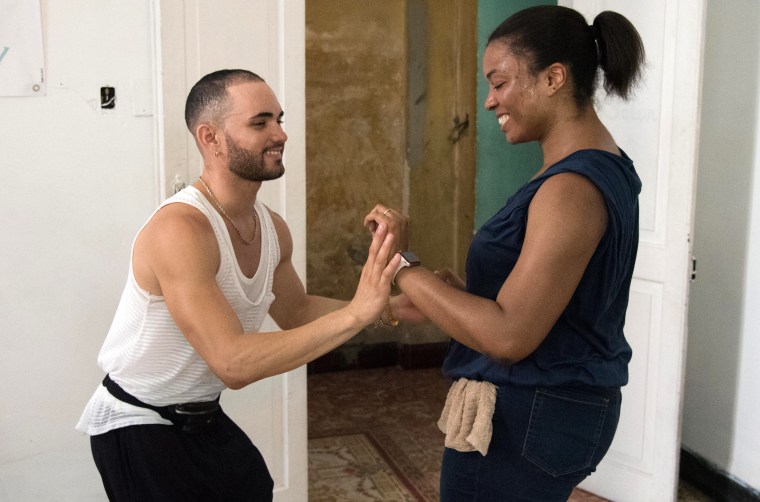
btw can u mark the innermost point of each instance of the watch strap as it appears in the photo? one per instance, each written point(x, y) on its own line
point(408, 259)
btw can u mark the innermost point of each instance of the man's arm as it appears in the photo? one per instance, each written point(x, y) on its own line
point(292, 307)
point(176, 255)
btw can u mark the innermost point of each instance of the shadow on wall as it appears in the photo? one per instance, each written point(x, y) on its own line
point(721, 236)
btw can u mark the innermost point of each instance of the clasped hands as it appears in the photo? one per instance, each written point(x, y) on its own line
point(398, 225)
point(396, 222)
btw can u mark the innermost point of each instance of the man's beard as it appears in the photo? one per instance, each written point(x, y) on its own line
point(251, 165)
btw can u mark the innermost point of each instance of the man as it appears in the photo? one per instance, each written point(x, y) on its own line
point(206, 268)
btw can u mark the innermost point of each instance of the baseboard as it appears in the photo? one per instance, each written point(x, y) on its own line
point(379, 355)
point(714, 482)
point(422, 355)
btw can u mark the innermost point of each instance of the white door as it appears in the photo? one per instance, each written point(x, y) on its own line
point(659, 129)
point(200, 36)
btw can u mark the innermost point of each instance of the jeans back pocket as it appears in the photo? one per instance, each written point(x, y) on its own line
point(564, 430)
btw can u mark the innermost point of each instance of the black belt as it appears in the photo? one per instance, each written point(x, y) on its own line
point(190, 417)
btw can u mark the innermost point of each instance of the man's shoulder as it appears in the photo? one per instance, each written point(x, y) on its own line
point(176, 243)
point(177, 224)
point(282, 231)
point(280, 225)
point(181, 215)
point(276, 218)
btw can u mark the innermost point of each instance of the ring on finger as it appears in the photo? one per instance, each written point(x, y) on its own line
point(387, 211)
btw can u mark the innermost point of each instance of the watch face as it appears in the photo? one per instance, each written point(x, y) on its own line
point(410, 257)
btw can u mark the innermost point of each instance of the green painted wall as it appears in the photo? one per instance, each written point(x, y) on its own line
point(501, 168)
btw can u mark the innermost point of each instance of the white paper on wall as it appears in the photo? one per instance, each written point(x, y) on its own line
point(22, 66)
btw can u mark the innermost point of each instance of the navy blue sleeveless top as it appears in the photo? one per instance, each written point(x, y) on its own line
point(586, 346)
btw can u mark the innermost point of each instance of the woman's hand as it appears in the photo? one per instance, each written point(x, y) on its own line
point(404, 310)
point(396, 222)
point(449, 277)
point(375, 282)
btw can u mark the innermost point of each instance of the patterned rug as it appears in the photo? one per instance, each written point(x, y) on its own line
point(354, 468)
point(373, 436)
point(395, 411)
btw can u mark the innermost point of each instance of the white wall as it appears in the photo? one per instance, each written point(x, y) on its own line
point(721, 405)
point(77, 182)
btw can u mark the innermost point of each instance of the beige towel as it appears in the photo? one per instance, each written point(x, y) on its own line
point(466, 416)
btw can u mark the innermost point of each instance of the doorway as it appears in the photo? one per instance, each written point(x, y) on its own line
point(390, 95)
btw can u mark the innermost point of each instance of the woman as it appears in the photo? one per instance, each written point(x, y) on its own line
point(538, 354)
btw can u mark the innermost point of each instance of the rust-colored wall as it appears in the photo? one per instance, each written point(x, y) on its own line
point(355, 141)
point(442, 184)
point(385, 84)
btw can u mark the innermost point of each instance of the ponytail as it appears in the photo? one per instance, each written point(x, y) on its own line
point(621, 53)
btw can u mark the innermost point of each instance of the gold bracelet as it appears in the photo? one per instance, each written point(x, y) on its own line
point(393, 321)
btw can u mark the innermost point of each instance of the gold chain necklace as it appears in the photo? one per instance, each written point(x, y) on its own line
point(224, 213)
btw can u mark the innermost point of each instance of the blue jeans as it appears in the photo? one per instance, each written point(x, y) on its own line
point(545, 441)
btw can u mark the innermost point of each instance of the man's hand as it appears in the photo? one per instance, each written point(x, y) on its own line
point(375, 281)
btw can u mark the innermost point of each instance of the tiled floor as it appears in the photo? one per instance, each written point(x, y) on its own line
point(396, 410)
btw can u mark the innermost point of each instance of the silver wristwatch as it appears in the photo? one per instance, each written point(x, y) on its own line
point(408, 259)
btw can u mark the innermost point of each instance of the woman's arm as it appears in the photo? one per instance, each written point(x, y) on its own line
point(566, 220)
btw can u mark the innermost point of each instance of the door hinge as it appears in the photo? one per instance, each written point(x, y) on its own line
point(459, 127)
point(693, 275)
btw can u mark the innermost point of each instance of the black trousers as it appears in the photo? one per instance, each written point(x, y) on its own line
point(144, 463)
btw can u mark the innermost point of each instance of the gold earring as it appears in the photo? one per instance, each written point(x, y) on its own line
point(217, 154)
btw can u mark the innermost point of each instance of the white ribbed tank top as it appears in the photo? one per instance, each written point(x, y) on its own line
point(147, 354)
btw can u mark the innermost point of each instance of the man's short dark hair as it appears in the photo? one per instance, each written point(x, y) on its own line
point(208, 97)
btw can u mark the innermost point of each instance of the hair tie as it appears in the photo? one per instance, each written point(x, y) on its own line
point(595, 35)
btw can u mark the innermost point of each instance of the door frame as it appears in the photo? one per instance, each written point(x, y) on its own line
point(272, 411)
